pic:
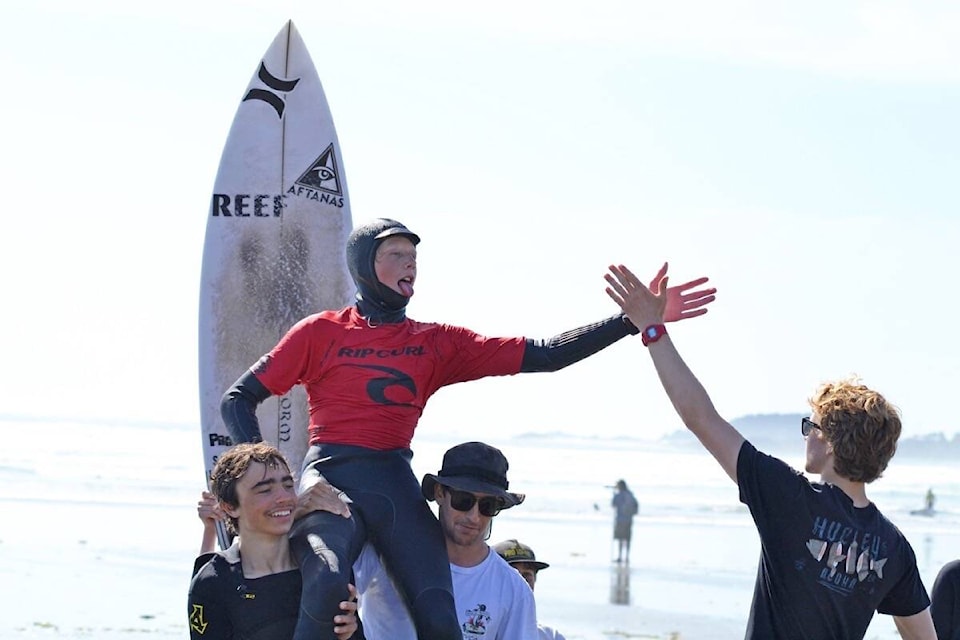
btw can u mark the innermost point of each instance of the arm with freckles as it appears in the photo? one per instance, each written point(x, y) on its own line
point(645, 307)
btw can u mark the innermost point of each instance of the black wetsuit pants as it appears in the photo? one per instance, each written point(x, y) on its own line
point(389, 510)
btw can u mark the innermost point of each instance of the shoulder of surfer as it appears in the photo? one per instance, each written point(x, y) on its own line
point(343, 316)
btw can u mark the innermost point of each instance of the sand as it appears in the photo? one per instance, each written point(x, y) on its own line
point(70, 576)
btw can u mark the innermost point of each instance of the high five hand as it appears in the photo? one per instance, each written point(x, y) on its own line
point(681, 302)
point(643, 306)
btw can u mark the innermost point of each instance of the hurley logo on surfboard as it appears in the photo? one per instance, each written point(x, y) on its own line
point(275, 83)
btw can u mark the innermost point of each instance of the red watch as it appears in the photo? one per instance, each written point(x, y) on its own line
point(652, 333)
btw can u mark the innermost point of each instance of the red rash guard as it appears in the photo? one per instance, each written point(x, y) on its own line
point(367, 386)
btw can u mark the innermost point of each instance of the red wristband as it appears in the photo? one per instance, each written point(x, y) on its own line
point(652, 333)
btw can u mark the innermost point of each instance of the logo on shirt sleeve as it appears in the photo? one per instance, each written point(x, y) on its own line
point(197, 623)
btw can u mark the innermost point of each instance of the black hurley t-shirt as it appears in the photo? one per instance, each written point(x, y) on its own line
point(825, 565)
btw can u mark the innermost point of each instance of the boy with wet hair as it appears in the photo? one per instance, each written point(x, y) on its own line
point(232, 466)
point(252, 590)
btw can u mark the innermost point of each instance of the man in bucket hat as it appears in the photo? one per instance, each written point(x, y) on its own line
point(522, 558)
point(493, 601)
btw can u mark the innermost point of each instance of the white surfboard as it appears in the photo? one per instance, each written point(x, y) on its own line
point(277, 226)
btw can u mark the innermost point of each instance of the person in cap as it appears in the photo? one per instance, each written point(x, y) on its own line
point(522, 558)
point(493, 601)
point(829, 559)
point(368, 371)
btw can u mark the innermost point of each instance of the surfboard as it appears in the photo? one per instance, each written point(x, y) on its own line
point(273, 253)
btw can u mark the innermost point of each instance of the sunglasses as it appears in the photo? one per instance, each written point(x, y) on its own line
point(807, 425)
point(488, 506)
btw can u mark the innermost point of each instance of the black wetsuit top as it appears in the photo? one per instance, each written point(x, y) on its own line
point(223, 605)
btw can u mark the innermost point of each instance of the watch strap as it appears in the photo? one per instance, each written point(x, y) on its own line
point(652, 333)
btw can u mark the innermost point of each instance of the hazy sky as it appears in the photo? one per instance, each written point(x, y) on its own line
point(805, 157)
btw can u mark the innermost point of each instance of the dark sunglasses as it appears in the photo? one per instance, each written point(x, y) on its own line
point(488, 506)
point(807, 425)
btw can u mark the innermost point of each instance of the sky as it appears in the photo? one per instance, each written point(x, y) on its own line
point(804, 156)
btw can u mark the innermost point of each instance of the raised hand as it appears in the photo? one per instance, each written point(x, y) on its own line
point(210, 513)
point(641, 305)
point(208, 509)
point(681, 302)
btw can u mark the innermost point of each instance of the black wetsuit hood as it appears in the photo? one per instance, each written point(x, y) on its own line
point(375, 300)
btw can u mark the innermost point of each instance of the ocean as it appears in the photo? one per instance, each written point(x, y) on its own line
point(98, 531)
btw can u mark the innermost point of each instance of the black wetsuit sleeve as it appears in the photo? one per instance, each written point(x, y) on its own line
point(239, 408)
point(573, 346)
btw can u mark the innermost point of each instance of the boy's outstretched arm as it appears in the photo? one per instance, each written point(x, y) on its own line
point(645, 308)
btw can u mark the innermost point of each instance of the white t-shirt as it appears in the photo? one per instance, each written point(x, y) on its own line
point(493, 602)
point(549, 633)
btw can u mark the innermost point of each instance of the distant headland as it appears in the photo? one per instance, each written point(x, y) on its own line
point(780, 432)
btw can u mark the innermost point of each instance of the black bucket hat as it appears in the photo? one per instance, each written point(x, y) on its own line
point(475, 467)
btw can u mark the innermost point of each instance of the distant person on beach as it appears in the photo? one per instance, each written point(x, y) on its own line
point(493, 602)
point(368, 371)
point(522, 558)
point(252, 589)
point(829, 558)
point(625, 507)
point(945, 598)
point(930, 499)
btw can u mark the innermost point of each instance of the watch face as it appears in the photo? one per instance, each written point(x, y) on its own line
point(652, 333)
